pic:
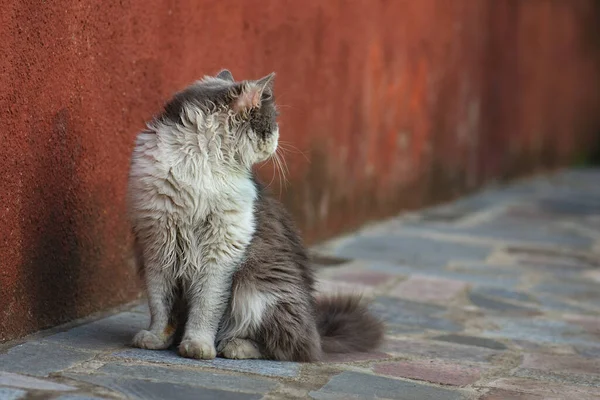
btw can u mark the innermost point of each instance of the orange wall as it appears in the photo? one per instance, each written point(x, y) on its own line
point(394, 104)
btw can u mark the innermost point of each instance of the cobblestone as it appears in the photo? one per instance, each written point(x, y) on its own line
point(105, 334)
point(77, 397)
point(26, 382)
point(540, 331)
point(144, 389)
point(544, 389)
point(363, 386)
point(427, 288)
point(439, 350)
point(499, 394)
point(398, 312)
point(117, 375)
point(503, 294)
point(495, 296)
point(272, 368)
point(561, 363)
point(190, 377)
point(355, 357)
point(12, 394)
point(417, 251)
point(433, 371)
point(41, 358)
point(472, 341)
point(492, 305)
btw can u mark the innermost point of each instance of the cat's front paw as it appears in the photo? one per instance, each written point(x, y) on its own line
point(199, 349)
point(148, 340)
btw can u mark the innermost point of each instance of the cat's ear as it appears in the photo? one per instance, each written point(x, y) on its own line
point(266, 83)
point(226, 75)
point(252, 92)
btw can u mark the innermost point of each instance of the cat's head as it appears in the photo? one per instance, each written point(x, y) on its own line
point(237, 119)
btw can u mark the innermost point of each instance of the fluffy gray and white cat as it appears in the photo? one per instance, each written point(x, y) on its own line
point(224, 267)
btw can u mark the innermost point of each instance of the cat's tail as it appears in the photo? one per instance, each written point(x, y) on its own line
point(346, 325)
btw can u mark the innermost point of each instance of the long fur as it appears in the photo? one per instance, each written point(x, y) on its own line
point(346, 326)
point(222, 261)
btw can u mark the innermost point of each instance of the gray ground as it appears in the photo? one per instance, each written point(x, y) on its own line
point(495, 296)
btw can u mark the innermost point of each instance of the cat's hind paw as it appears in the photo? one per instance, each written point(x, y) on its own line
point(148, 340)
point(240, 349)
point(197, 349)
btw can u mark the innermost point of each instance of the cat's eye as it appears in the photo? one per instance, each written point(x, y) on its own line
point(266, 96)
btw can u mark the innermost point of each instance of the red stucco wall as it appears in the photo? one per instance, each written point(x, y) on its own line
point(395, 103)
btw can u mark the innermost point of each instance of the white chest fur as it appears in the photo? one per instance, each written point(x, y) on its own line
point(179, 191)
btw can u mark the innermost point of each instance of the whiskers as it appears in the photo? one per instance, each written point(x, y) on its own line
point(287, 147)
point(281, 169)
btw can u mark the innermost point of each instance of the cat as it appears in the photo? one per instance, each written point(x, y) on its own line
point(226, 272)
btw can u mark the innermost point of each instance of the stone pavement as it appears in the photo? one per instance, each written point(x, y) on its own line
point(495, 296)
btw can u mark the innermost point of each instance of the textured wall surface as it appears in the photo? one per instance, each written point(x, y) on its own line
point(385, 105)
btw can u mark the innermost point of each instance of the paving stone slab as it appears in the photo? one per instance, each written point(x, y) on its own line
point(585, 292)
point(549, 302)
point(503, 279)
point(564, 363)
point(147, 390)
point(465, 206)
point(504, 230)
point(498, 280)
point(109, 333)
point(547, 390)
point(412, 314)
point(12, 394)
point(506, 279)
point(141, 308)
point(587, 351)
point(205, 379)
point(539, 331)
point(499, 394)
point(556, 268)
point(593, 274)
point(355, 357)
point(502, 293)
point(260, 367)
point(27, 382)
point(558, 377)
point(392, 268)
point(401, 330)
point(371, 278)
point(41, 358)
point(415, 251)
point(588, 322)
point(533, 231)
point(327, 286)
point(434, 371)
point(484, 273)
point(572, 206)
point(431, 350)
point(502, 307)
point(428, 289)
point(472, 341)
point(551, 257)
point(353, 385)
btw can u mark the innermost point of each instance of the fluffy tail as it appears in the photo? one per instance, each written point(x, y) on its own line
point(346, 325)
